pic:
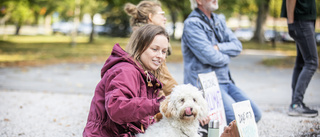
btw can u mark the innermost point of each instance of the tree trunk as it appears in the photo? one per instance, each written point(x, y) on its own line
point(173, 15)
point(36, 17)
point(261, 20)
point(18, 27)
point(92, 30)
point(174, 20)
point(47, 24)
point(75, 23)
point(239, 20)
point(3, 24)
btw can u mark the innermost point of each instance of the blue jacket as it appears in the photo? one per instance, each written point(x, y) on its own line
point(199, 56)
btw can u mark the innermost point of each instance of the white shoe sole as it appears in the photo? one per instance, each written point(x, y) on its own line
point(301, 114)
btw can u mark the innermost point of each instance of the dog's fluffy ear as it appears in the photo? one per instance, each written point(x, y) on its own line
point(204, 107)
point(164, 107)
point(204, 111)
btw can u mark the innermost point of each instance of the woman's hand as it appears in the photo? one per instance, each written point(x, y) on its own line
point(204, 121)
point(231, 130)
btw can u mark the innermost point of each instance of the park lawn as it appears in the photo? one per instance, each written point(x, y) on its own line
point(42, 50)
point(288, 48)
point(39, 50)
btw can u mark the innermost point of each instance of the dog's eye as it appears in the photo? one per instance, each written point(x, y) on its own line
point(194, 100)
point(182, 100)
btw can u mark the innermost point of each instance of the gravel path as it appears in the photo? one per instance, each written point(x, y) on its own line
point(38, 114)
point(54, 100)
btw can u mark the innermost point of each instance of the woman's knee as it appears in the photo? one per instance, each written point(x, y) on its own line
point(257, 117)
point(257, 114)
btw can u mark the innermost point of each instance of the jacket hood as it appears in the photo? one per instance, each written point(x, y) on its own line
point(119, 55)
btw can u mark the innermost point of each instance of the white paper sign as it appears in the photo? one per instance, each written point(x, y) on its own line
point(246, 122)
point(212, 94)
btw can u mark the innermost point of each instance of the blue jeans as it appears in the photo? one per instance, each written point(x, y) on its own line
point(303, 32)
point(231, 94)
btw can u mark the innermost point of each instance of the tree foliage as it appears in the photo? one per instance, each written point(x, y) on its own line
point(275, 8)
point(238, 7)
point(318, 7)
point(20, 12)
point(116, 18)
point(92, 7)
point(261, 20)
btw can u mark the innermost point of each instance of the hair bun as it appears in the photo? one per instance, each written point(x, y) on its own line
point(131, 9)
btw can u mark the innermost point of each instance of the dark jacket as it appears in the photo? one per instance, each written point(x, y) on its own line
point(123, 104)
point(304, 10)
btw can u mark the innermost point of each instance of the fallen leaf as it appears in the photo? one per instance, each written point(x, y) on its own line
point(311, 130)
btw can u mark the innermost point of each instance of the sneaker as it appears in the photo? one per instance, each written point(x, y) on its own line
point(301, 110)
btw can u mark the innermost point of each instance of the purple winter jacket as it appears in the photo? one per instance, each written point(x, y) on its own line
point(123, 101)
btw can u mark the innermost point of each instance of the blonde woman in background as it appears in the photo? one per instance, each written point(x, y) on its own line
point(150, 12)
point(146, 12)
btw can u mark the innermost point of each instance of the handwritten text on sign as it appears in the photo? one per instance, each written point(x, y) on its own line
point(212, 94)
point(246, 123)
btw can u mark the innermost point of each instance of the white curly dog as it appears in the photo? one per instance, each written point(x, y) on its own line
point(182, 110)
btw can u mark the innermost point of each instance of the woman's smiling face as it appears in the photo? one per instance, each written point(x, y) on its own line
point(155, 54)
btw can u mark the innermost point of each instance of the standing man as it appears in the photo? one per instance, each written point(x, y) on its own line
point(207, 45)
point(301, 17)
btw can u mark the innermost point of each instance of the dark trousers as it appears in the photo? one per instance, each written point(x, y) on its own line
point(307, 59)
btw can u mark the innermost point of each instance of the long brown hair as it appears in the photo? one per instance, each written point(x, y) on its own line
point(141, 39)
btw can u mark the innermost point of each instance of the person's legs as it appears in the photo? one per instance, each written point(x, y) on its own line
point(306, 44)
point(227, 102)
point(296, 72)
point(232, 94)
point(305, 67)
point(238, 95)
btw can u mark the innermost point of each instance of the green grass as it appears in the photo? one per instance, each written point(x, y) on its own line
point(41, 50)
point(279, 46)
point(288, 48)
point(37, 50)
